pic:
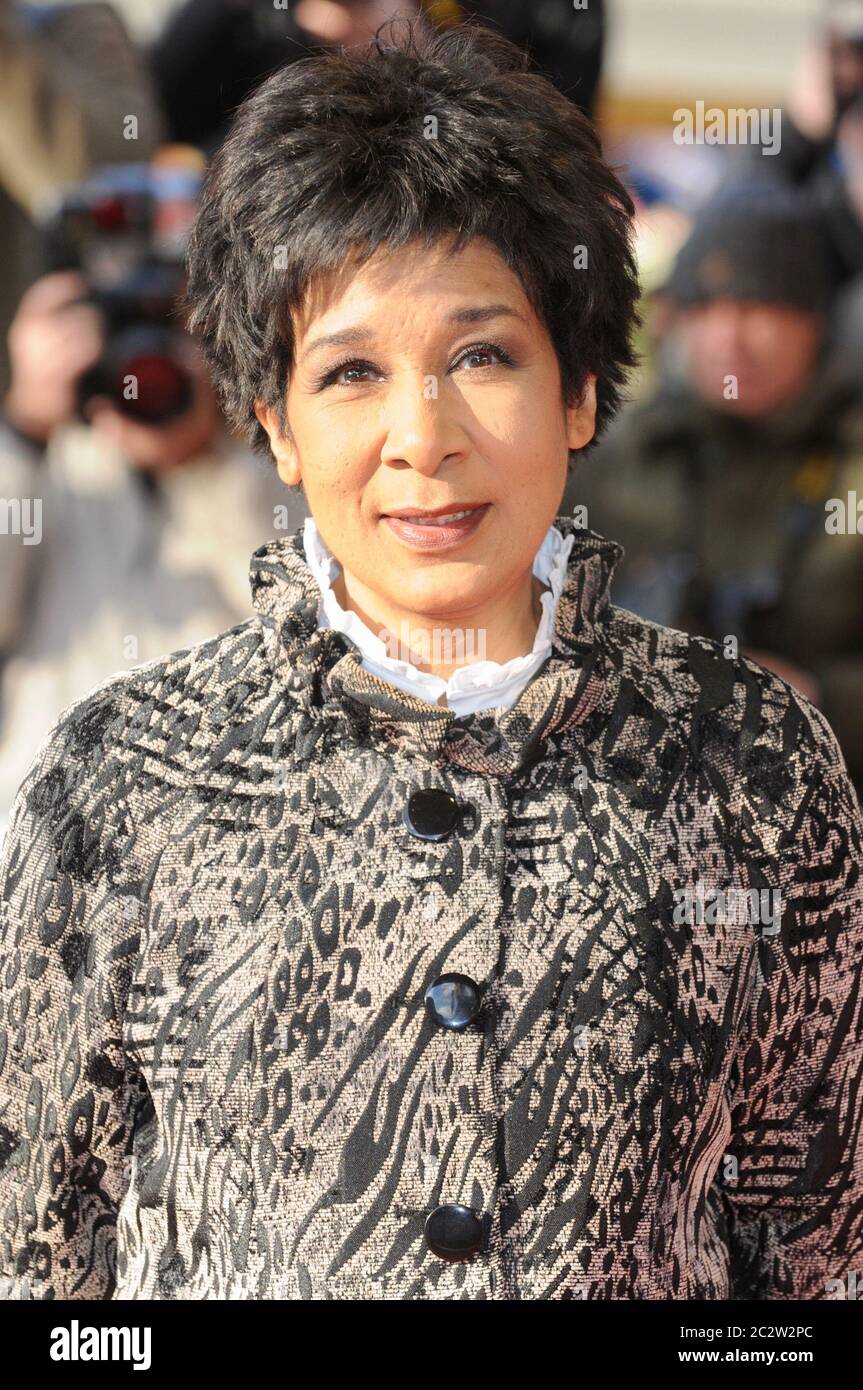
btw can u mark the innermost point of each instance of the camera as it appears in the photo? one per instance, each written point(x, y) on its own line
point(126, 229)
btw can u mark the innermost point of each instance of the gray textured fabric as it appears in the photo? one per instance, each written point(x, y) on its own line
point(218, 1074)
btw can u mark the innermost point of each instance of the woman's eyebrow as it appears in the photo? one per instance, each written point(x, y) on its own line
point(349, 337)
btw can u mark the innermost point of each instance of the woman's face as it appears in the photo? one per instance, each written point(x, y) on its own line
point(444, 391)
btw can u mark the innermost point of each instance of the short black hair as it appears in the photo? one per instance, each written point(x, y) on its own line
point(417, 136)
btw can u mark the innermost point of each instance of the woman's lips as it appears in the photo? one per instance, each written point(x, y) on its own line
point(441, 535)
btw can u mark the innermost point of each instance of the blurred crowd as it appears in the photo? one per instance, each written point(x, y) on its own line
point(732, 478)
point(131, 512)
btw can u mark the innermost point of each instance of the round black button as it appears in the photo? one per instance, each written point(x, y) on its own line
point(453, 1232)
point(431, 814)
point(453, 1000)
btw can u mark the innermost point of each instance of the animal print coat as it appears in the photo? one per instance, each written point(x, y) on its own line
point(312, 990)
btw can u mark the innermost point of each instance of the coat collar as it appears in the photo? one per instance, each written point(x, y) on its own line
point(323, 671)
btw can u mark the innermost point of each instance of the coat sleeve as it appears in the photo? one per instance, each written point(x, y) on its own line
point(794, 1170)
point(68, 1101)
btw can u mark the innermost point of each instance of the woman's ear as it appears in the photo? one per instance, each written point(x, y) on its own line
point(282, 445)
point(581, 417)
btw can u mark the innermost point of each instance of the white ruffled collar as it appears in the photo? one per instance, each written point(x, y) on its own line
point(479, 685)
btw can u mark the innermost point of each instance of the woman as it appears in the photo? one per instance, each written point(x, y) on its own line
point(331, 975)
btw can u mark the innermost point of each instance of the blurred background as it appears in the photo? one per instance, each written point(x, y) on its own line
point(731, 478)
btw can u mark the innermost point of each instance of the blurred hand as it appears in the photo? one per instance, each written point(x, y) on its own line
point(811, 103)
point(160, 447)
point(804, 681)
point(331, 23)
point(52, 341)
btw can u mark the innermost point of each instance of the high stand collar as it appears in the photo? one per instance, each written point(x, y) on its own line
point(323, 671)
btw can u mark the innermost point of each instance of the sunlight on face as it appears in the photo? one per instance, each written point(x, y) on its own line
point(447, 394)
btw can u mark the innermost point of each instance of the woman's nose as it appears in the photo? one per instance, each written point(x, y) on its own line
point(421, 428)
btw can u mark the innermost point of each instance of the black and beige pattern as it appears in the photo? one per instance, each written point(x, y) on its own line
point(219, 1073)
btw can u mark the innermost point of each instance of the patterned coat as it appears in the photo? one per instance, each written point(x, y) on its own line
point(311, 990)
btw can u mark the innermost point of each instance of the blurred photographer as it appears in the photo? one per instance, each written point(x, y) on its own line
point(212, 53)
point(70, 78)
point(827, 80)
point(722, 486)
point(129, 512)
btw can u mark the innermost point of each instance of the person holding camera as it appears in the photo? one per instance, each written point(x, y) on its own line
point(70, 78)
point(122, 539)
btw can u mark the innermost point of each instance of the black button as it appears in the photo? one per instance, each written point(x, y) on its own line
point(453, 1000)
point(453, 1232)
point(432, 814)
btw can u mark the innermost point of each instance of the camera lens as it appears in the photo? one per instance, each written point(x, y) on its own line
point(151, 388)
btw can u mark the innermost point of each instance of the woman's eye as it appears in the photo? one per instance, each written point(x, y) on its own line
point(487, 350)
point(334, 376)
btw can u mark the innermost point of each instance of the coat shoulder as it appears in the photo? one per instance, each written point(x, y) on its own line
point(734, 717)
